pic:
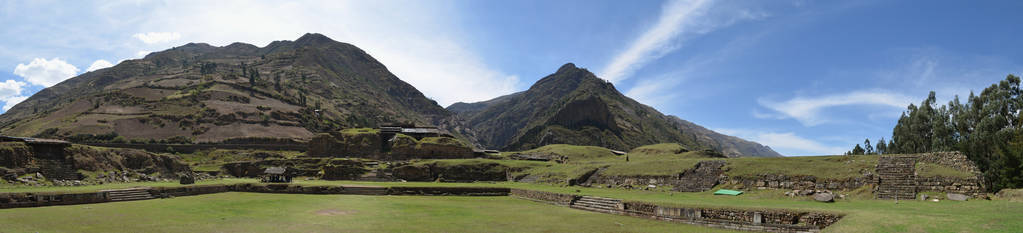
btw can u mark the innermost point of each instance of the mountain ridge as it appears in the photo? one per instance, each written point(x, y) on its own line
point(209, 93)
point(574, 106)
point(197, 92)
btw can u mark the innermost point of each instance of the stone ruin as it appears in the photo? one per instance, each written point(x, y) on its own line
point(390, 143)
point(897, 178)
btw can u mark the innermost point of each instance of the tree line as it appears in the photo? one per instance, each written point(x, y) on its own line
point(985, 127)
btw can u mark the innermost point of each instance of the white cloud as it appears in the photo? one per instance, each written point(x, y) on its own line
point(787, 143)
point(99, 64)
point(11, 88)
point(807, 110)
point(420, 42)
point(10, 93)
point(142, 53)
point(675, 19)
point(157, 37)
point(46, 72)
point(11, 101)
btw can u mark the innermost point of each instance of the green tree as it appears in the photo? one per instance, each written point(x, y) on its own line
point(881, 147)
point(857, 150)
point(986, 127)
point(867, 148)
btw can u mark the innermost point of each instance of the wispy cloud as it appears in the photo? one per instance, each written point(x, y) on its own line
point(676, 17)
point(46, 72)
point(808, 110)
point(786, 143)
point(669, 87)
point(157, 37)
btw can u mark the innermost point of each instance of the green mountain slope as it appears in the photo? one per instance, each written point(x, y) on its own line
point(573, 106)
point(203, 93)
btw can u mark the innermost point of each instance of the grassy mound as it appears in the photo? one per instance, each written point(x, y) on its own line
point(828, 167)
point(572, 152)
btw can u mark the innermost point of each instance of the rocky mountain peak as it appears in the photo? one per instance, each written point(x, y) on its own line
point(314, 39)
point(567, 67)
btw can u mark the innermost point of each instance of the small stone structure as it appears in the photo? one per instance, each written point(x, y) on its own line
point(276, 175)
point(897, 176)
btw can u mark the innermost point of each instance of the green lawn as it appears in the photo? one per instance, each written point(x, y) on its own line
point(255, 212)
point(862, 213)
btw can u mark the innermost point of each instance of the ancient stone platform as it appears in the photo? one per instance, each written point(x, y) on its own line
point(896, 177)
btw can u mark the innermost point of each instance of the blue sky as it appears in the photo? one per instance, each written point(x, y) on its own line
point(804, 77)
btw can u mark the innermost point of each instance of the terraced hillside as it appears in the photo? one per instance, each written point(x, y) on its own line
point(203, 93)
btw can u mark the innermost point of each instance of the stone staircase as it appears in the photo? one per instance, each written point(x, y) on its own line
point(365, 190)
point(129, 194)
point(598, 204)
point(57, 170)
point(896, 178)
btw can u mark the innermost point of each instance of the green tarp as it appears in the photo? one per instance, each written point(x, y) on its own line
point(727, 192)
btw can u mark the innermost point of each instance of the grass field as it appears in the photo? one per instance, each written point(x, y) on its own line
point(253, 212)
point(862, 213)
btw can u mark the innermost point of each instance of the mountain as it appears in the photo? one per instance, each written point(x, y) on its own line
point(574, 106)
point(203, 93)
point(294, 89)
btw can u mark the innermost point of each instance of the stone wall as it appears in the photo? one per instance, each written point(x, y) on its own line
point(17, 200)
point(727, 218)
point(191, 148)
point(165, 192)
point(629, 181)
point(702, 177)
point(954, 159)
point(310, 167)
point(774, 181)
point(968, 186)
point(546, 197)
point(454, 191)
point(33, 199)
point(343, 170)
point(435, 171)
point(384, 147)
